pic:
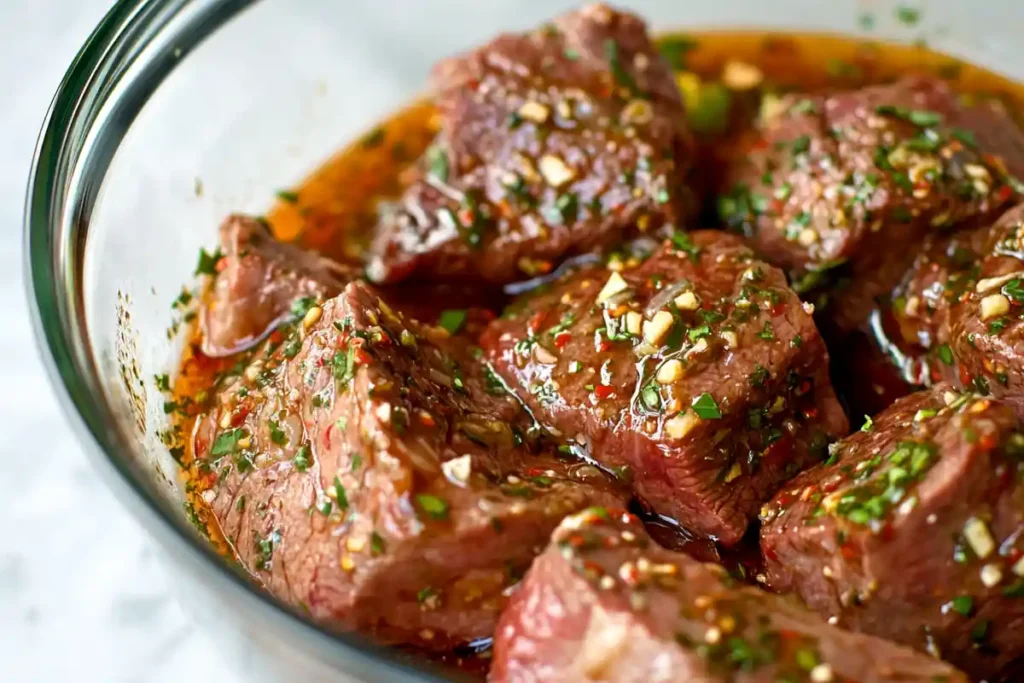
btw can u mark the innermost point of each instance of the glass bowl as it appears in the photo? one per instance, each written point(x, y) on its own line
point(176, 112)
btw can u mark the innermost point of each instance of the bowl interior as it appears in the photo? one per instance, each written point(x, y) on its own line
point(187, 111)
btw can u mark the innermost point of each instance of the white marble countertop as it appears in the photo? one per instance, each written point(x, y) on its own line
point(81, 594)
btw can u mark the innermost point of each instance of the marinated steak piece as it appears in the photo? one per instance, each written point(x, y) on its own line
point(841, 189)
point(552, 142)
point(606, 603)
point(258, 281)
point(944, 271)
point(912, 531)
point(371, 471)
point(697, 375)
point(988, 318)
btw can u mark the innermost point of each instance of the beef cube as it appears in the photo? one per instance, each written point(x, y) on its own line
point(696, 374)
point(943, 271)
point(987, 322)
point(605, 603)
point(259, 279)
point(552, 142)
point(374, 474)
point(911, 531)
point(841, 189)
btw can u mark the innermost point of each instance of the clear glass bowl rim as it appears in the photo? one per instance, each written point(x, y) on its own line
point(66, 171)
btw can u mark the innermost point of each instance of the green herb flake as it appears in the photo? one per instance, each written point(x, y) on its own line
point(207, 264)
point(706, 407)
point(303, 458)
point(436, 507)
point(962, 605)
point(374, 138)
point(277, 434)
point(227, 442)
point(452, 320)
point(288, 196)
point(945, 354)
point(907, 15)
point(340, 497)
point(377, 544)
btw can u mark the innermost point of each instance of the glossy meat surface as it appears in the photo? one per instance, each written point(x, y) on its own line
point(368, 470)
point(605, 603)
point(552, 142)
point(912, 531)
point(258, 279)
point(842, 189)
point(988, 319)
point(696, 375)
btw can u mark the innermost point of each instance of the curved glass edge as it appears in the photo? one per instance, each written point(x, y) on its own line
point(55, 225)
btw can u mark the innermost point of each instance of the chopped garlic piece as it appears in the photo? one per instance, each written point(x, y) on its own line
point(739, 75)
point(534, 111)
point(458, 469)
point(679, 426)
point(656, 329)
point(991, 575)
point(979, 537)
point(543, 356)
point(670, 371)
point(615, 285)
point(994, 305)
point(634, 321)
point(687, 301)
point(555, 171)
point(990, 283)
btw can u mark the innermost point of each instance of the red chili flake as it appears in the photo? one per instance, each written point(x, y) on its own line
point(1004, 193)
point(832, 484)
point(965, 376)
point(629, 574)
point(786, 634)
point(887, 533)
point(777, 206)
point(561, 339)
point(427, 420)
point(362, 357)
point(385, 340)
point(276, 337)
point(770, 554)
point(534, 471)
point(536, 320)
point(988, 442)
point(221, 264)
point(848, 551)
point(761, 143)
point(327, 436)
point(922, 185)
point(605, 345)
point(239, 417)
point(604, 391)
point(811, 413)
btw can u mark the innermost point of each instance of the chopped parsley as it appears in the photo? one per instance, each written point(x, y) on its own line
point(207, 264)
point(706, 407)
point(432, 505)
point(452, 320)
